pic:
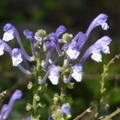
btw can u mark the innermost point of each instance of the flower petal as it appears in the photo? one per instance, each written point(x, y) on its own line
point(97, 57)
point(16, 57)
point(65, 109)
point(7, 36)
point(16, 61)
point(73, 54)
point(77, 72)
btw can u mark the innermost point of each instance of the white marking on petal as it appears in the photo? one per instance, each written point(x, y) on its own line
point(7, 36)
point(106, 50)
point(104, 26)
point(16, 60)
point(97, 57)
point(54, 79)
point(77, 76)
point(54, 74)
point(73, 54)
point(1, 49)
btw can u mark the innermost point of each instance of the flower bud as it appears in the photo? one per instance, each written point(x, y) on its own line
point(70, 85)
point(37, 98)
point(66, 37)
point(28, 106)
point(40, 34)
point(42, 105)
point(30, 85)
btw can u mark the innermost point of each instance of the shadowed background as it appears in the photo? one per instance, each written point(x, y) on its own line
point(75, 15)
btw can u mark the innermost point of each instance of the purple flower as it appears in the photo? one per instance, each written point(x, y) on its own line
point(104, 42)
point(4, 47)
point(81, 41)
point(99, 20)
point(7, 108)
point(54, 37)
point(74, 48)
point(8, 35)
point(9, 28)
point(49, 46)
point(65, 109)
point(77, 72)
point(52, 74)
point(28, 34)
point(16, 57)
point(60, 30)
point(95, 50)
point(73, 51)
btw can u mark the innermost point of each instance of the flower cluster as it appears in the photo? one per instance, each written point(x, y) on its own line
point(43, 44)
point(44, 47)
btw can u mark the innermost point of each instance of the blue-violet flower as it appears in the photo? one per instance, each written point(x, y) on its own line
point(16, 57)
point(99, 20)
point(7, 108)
point(73, 51)
point(77, 72)
point(65, 109)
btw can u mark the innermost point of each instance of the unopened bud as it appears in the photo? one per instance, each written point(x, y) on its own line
point(37, 98)
point(55, 99)
point(30, 85)
point(28, 106)
point(70, 85)
point(69, 116)
point(41, 33)
point(42, 105)
point(66, 37)
point(40, 88)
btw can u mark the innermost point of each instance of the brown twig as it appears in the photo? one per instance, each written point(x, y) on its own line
point(83, 114)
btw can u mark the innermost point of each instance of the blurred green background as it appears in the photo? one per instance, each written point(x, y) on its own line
point(76, 15)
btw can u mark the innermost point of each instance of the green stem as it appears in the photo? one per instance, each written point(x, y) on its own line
point(35, 92)
point(102, 83)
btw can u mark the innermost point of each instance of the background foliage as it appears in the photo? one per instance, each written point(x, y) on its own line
point(76, 15)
